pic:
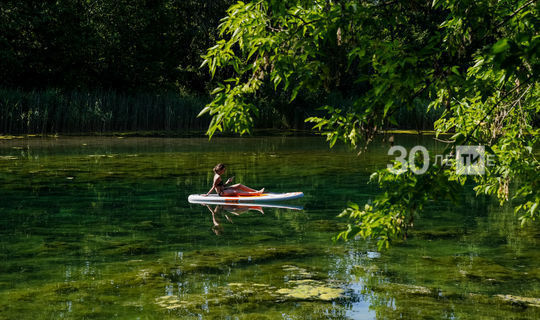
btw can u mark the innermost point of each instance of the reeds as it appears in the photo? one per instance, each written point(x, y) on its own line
point(70, 112)
point(58, 111)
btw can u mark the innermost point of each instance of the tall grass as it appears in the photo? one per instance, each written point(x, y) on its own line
point(71, 112)
point(58, 111)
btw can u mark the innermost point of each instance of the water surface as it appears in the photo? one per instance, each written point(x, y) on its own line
point(101, 228)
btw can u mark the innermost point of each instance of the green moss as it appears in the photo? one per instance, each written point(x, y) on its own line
point(219, 260)
point(311, 292)
point(326, 225)
point(259, 238)
point(521, 301)
point(147, 225)
point(437, 234)
point(252, 293)
point(404, 289)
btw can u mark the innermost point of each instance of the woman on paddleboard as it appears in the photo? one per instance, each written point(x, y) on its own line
point(233, 190)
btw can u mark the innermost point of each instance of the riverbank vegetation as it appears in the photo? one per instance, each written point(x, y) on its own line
point(56, 111)
point(67, 112)
point(101, 66)
point(104, 66)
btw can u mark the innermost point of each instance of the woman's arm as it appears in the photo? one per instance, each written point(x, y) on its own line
point(213, 187)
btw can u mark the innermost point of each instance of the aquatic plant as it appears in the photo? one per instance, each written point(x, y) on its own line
point(61, 111)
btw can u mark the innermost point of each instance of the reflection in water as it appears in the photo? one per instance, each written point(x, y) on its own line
point(235, 210)
point(226, 210)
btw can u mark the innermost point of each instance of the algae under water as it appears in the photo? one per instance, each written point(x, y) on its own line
point(101, 228)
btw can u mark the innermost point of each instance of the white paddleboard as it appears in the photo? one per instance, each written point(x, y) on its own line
point(262, 197)
point(245, 204)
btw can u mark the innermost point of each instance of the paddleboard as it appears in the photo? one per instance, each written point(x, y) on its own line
point(245, 204)
point(262, 197)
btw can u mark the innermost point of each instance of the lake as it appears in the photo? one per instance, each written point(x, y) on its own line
point(100, 227)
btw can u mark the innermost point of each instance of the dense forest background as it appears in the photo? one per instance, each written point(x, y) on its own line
point(75, 66)
point(125, 45)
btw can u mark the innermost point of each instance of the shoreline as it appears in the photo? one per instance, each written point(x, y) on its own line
point(199, 134)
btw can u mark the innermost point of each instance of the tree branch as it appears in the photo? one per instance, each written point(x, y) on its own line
point(514, 13)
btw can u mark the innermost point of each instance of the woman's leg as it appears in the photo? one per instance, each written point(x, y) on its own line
point(235, 192)
point(244, 188)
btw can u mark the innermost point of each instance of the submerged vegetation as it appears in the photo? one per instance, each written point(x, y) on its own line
point(99, 227)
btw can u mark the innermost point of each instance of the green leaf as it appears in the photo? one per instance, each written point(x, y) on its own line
point(533, 208)
point(216, 90)
point(353, 205)
point(252, 52)
point(387, 106)
point(333, 140)
point(294, 94)
point(203, 111)
point(500, 46)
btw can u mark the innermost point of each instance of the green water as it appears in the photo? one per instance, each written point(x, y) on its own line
point(101, 228)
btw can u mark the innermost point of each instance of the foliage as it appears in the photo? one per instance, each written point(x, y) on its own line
point(474, 61)
point(135, 48)
point(125, 45)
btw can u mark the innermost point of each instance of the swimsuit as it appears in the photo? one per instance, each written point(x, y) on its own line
point(220, 184)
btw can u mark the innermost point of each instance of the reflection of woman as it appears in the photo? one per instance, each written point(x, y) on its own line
point(236, 210)
point(233, 190)
point(216, 227)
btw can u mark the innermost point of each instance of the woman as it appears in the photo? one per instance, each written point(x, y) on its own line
point(234, 190)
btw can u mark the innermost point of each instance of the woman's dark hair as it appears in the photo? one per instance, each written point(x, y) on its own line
point(219, 167)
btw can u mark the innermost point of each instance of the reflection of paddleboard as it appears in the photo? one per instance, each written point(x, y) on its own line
point(262, 197)
point(245, 204)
